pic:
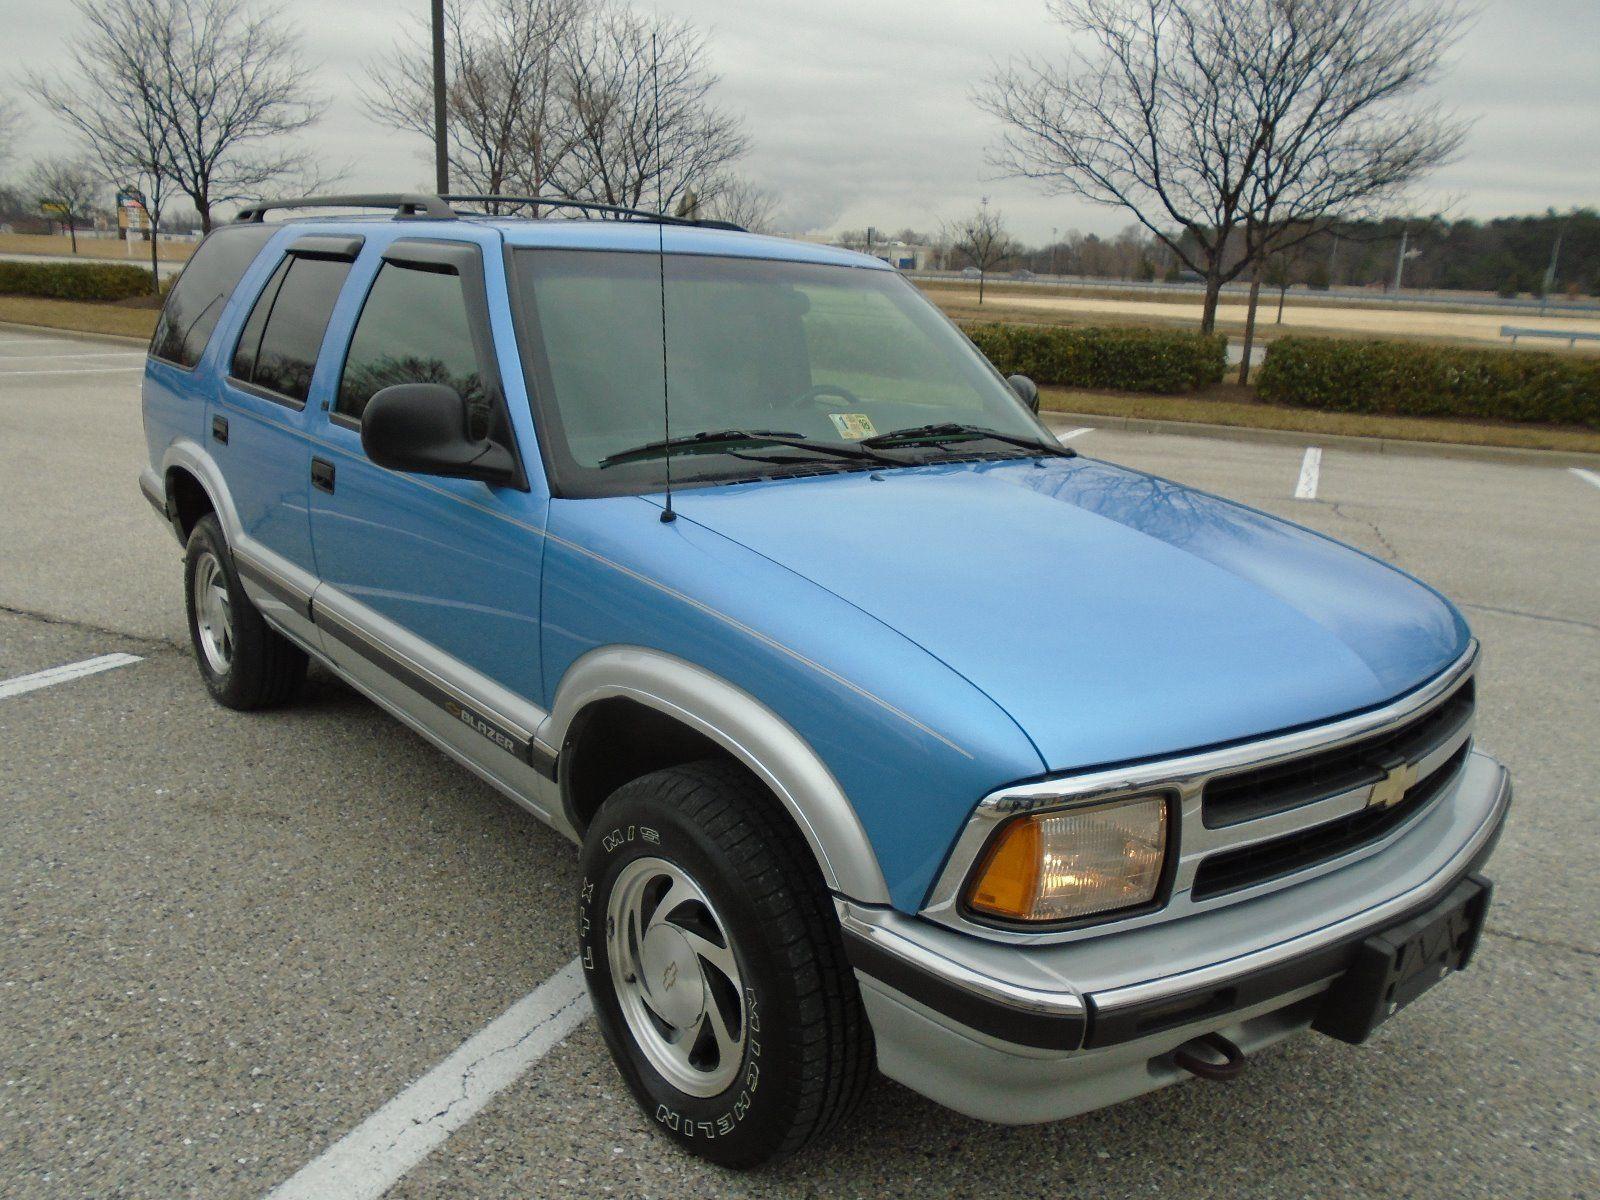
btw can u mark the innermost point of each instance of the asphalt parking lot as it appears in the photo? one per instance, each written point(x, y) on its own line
point(228, 940)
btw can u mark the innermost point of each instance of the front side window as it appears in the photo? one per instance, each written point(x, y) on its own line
point(414, 329)
point(278, 347)
point(835, 354)
point(195, 304)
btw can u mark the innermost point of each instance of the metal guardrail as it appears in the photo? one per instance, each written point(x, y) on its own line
point(1571, 337)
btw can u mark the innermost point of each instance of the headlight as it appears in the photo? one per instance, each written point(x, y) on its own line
point(1074, 863)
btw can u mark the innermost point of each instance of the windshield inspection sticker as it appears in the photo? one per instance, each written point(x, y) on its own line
point(853, 427)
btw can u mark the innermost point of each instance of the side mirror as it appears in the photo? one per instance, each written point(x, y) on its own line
point(1026, 388)
point(423, 428)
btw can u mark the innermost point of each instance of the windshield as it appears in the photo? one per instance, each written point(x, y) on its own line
point(832, 354)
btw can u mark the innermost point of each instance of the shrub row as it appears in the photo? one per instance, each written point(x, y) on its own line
point(73, 281)
point(1126, 360)
point(1414, 379)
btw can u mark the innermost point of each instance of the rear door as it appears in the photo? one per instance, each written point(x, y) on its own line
point(430, 585)
point(273, 372)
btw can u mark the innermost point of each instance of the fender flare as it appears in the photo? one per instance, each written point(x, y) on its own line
point(748, 730)
point(187, 455)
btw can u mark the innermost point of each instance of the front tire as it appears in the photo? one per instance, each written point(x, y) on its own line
point(716, 966)
point(245, 663)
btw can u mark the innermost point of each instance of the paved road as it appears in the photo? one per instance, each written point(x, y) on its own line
point(228, 939)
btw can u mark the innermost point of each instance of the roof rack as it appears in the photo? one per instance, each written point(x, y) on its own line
point(422, 204)
point(538, 202)
point(405, 204)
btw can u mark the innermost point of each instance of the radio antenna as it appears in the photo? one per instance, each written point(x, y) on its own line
point(667, 514)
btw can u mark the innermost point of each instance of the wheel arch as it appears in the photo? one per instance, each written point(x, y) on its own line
point(710, 714)
point(193, 486)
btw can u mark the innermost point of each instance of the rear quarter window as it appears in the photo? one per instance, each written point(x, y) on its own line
point(195, 303)
point(278, 346)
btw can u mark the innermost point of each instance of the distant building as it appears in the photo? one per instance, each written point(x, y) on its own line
point(902, 256)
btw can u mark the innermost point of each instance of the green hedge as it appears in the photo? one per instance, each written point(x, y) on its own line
point(1126, 360)
point(73, 281)
point(1418, 380)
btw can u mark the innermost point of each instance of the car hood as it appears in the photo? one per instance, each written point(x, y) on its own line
point(1114, 615)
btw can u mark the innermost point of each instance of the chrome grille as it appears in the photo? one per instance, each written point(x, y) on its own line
point(1294, 852)
point(1249, 795)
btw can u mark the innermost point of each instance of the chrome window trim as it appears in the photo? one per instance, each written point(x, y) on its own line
point(1186, 776)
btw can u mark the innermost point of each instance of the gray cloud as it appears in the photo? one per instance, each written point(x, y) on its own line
point(860, 113)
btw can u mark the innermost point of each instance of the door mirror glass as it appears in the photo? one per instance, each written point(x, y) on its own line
point(425, 428)
point(1025, 388)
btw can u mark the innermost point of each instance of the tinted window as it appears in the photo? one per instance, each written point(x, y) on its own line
point(279, 345)
point(244, 354)
point(195, 304)
point(413, 329)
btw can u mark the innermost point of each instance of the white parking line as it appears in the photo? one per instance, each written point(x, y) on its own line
point(373, 1156)
point(75, 371)
point(44, 679)
point(1072, 433)
point(1310, 468)
point(1586, 476)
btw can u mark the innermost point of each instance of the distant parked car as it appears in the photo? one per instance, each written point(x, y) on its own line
point(894, 732)
point(971, 272)
point(1023, 273)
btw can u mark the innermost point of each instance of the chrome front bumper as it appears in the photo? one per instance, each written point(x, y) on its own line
point(1022, 1034)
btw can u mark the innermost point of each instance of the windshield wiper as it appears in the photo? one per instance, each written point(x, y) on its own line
point(713, 440)
point(952, 431)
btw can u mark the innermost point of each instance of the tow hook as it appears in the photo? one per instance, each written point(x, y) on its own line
point(1199, 1057)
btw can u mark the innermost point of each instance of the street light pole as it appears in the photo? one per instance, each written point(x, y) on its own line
point(1550, 271)
point(441, 158)
point(1400, 259)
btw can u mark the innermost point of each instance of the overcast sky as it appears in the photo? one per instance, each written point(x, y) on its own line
point(859, 110)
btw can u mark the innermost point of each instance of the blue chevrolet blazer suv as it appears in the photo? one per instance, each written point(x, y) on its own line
point(895, 734)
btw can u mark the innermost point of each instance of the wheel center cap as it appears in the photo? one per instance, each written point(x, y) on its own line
point(672, 976)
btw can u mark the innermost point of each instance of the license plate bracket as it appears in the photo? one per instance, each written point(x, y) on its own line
point(1393, 967)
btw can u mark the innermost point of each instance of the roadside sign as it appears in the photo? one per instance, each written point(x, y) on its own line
point(132, 219)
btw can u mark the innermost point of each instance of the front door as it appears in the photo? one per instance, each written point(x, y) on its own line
point(429, 589)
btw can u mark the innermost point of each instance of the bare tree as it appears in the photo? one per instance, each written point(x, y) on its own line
point(218, 83)
point(981, 241)
point(68, 188)
point(113, 98)
point(644, 125)
point(10, 129)
point(1230, 128)
point(506, 118)
point(735, 199)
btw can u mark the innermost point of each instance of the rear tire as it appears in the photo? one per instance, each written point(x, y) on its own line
point(716, 967)
point(246, 664)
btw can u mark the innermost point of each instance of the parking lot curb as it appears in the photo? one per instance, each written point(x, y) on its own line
point(114, 339)
point(1339, 441)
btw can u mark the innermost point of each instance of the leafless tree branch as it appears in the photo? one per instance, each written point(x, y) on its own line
point(1232, 128)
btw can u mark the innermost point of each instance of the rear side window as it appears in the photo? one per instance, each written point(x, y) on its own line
point(278, 348)
point(195, 304)
point(414, 329)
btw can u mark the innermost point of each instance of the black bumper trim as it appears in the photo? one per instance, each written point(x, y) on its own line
point(1007, 1022)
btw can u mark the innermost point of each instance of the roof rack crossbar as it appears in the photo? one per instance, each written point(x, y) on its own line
point(538, 202)
point(405, 204)
point(424, 204)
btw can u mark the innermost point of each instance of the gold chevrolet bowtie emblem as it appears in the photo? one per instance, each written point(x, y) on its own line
point(1394, 785)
